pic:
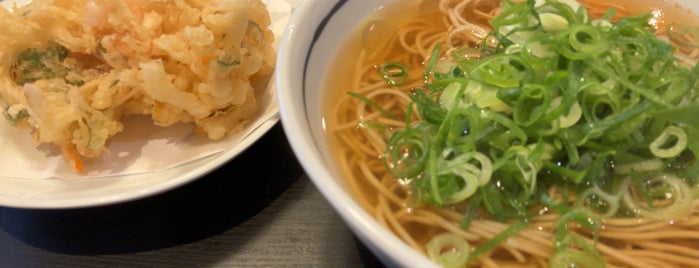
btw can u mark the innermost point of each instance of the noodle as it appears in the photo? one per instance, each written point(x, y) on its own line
point(358, 128)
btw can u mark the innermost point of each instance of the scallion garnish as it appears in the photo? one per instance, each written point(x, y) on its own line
point(393, 73)
point(563, 101)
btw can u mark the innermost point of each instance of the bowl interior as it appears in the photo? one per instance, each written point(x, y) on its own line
point(316, 30)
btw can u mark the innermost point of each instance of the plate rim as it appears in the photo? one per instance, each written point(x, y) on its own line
point(196, 171)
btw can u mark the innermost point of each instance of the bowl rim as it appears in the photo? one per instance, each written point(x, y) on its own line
point(388, 247)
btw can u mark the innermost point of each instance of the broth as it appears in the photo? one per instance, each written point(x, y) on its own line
point(388, 199)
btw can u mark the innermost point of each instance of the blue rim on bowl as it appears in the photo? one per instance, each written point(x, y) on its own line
point(298, 92)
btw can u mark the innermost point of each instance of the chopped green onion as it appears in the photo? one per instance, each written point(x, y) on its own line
point(434, 58)
point(657, 147)
point(393, 73)
point(448, 250)
point(371, 104)
point(599, 108)
point(511, 230)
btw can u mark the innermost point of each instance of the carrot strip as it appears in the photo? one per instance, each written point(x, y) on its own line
point(72, 156)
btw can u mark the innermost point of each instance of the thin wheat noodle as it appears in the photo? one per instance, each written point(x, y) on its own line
point(429, 218)
point(359, 146)
point(409, 39)
point(670, 248)
point(355, 187)
point(628, 242)
point(658, 234)
point(385, 192)
point(663, 256)
point(397, 227)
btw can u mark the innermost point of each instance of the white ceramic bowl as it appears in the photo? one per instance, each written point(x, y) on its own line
point(315, 30)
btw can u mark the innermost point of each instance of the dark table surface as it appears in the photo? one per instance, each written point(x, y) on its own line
point(258, 210)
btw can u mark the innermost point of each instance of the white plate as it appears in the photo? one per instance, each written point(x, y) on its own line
point(143, 160)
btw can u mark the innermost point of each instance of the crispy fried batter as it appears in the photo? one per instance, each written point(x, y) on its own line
point(70, 70)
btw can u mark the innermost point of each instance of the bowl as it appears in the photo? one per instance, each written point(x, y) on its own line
point(316, 29)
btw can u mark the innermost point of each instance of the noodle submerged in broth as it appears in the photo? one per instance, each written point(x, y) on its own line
point(531, 133)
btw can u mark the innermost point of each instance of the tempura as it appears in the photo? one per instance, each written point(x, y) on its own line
point(71, 70)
